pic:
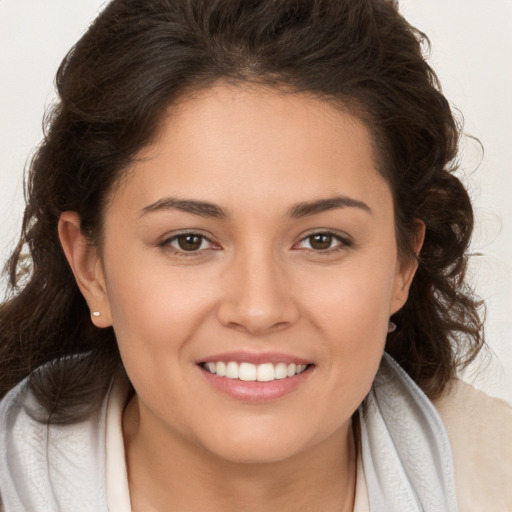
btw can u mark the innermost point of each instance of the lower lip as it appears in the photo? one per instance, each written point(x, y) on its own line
point(255, 391)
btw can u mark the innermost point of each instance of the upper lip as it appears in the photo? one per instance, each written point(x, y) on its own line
point(255, 358)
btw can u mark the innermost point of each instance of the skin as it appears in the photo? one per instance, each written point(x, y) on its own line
point(260, 285)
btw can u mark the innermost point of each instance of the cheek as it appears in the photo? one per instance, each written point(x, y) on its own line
point(355, 300)
point(351, 310)
point(156, 306)
point(155, 316)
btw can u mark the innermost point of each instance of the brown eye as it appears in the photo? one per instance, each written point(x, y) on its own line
point(321, 241)
point(324, 242)
point(189, 242)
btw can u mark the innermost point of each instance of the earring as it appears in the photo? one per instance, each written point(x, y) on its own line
point(391, 327)
point(96, 313)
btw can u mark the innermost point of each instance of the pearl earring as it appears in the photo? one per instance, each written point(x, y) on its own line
point(96, 313)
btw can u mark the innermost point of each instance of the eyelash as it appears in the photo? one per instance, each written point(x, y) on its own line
point(166, 244)
point(343, 241)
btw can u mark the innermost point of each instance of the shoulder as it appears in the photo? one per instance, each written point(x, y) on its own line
point(480, 431)
point(49, 467)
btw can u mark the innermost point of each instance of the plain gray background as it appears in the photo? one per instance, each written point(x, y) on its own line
point(471, 52)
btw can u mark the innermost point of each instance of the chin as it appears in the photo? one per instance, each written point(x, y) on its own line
point(260, 445)
point(256, 453)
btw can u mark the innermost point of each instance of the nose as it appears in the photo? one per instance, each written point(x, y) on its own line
point(257, 297)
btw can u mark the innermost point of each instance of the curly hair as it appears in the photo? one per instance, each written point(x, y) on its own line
point(140, 56)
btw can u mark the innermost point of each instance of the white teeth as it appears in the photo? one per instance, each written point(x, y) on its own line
point(291, 369)
point(221, 369)
point(249, 372)
point(232, 370)
point(281, 371)
point(266, 372)
point(246, 371)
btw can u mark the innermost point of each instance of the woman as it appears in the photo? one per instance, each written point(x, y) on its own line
point(247, 251)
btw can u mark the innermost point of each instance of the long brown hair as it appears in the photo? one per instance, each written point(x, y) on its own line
point(114, 86)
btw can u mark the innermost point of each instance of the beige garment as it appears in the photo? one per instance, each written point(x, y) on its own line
point(480, 432)
point(361, 498)
point(118, 494)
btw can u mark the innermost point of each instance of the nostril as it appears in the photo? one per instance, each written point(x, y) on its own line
point(258, 303)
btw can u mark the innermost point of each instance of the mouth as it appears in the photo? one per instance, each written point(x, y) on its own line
point(256, 378)
point(249, 372)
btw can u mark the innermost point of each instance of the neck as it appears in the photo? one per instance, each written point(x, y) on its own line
point(164, 471)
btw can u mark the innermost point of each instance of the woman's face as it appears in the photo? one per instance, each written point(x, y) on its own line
point(254, 238)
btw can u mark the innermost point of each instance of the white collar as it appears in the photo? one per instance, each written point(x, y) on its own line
point(406, 453)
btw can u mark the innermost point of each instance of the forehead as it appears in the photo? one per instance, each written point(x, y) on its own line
point(229, 141)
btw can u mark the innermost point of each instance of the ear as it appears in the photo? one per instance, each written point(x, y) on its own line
point(405, 271)
point(87, 267)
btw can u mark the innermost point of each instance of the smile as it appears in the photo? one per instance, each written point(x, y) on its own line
point(249, 372)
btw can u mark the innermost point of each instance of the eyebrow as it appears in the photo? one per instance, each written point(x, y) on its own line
point(297, 211)
point(322, 205)
point(202, 208)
